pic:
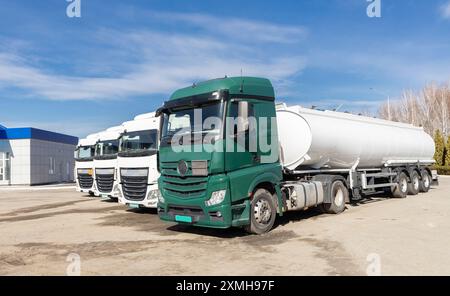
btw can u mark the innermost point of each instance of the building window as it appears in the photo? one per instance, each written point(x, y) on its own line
point(5, 166)
point(52, 168)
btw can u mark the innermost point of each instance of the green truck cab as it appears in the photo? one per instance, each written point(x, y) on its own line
point(210, 178)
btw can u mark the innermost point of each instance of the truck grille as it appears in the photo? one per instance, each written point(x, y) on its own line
point(105, 183)
point(86, 181)
point(134, 187)
point(184, 187)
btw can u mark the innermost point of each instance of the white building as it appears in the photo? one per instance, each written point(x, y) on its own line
point(30, 156)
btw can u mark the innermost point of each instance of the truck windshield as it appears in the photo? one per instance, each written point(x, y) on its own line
point(85, 152)
point(107, 148)
point(139, 141)
point(182, 120)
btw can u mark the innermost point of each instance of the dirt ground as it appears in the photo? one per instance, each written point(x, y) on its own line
point(40, 228)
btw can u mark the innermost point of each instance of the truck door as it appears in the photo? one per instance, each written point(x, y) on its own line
point(241, 149)
point(243, 164)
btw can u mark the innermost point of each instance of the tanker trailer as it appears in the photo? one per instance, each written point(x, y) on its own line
point(322, 159)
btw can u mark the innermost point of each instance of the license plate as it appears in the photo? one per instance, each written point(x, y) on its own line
point(185, 219)
point(105, 196)
point(134, 206)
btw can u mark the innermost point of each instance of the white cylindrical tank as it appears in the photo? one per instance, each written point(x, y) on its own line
point(327, 139)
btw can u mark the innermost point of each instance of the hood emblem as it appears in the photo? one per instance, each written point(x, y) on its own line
point(182, 168)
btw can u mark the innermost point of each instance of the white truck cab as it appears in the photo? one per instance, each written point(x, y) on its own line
point(84, 164)
point(137, 162)
point(105, 162)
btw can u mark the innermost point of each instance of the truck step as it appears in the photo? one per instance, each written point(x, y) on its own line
point(380, 175)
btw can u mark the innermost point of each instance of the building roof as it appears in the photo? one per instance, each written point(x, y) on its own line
point(38, 134)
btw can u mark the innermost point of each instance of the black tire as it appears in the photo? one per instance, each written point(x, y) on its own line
point(425, 182)
point(262, 212)
point(401, 189)
point(91, 194)
point(339, 195)
point(414, 183)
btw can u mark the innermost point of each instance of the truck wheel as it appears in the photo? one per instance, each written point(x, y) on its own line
point(339, 194)
point(425, 183)
point(263, 212)
point(91, 194)
point(413, 185)
point(401, 189)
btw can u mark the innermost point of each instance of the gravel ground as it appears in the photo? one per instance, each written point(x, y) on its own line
point(42, 231)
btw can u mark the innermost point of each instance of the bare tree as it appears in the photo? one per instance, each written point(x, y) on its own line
point(429, 108)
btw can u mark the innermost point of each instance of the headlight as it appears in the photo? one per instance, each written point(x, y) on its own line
point(154, 194)
point(216, 198)
point(116, 191)
point(157, 194)
point(161, 199)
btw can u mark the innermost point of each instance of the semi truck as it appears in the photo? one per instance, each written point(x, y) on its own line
point(84, 164)
point(105, 163)
point(137, 163)
point(318, 158)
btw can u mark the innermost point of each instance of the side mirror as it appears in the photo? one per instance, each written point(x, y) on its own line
point(157, 162)
point(242, 124)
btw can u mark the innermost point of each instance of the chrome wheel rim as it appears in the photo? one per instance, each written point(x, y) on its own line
point(263, 212)
point(403, 185)
point(416, 183)
point(426, 181)
point(339, 197)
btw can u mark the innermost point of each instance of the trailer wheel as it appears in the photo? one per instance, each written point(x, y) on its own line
point(401, 189)
point(425, 183)
point(413, 185)
point(339, 194)
point(263, 212)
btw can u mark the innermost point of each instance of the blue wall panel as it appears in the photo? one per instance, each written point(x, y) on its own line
point(53, 137)
point(33, 133)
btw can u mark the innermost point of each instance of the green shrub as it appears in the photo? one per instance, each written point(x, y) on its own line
point(439, 155)
point(442, 170)
point(447, 152)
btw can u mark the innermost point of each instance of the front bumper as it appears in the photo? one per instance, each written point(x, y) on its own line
point(194, 211)
point(114, 193)
point(222, 216)
point(147, 202)
point(83, 190)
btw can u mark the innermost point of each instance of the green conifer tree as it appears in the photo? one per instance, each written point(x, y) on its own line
point(440, 148)
point(447, 152)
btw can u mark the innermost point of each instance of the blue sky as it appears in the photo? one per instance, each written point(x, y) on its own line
point(122, 58)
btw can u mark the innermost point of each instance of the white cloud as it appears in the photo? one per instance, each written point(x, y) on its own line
point(407, 64)
point(238, 28)
point(445, 10)
point(159, 62)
